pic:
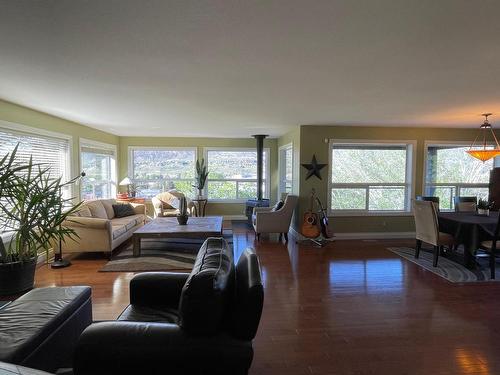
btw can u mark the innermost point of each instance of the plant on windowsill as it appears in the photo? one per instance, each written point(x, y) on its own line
point(182, 218)
point(483, 207)
point(201, 176)
point(31, 214)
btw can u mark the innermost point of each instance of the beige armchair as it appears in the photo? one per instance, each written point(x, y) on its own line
point(265, 220)
point(167, 203)
point(427, 229)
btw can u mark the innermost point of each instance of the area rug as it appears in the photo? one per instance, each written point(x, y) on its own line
point(447, 268)
point(159, 255)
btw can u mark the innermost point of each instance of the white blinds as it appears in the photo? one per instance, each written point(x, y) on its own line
point(50, 151)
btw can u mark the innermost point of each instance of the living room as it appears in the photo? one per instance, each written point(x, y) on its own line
point(377, 172)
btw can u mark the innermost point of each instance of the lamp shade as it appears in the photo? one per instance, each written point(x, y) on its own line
point(480, 150)
point(126, 181)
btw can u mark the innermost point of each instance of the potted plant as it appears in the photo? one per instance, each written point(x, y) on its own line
point(483, 207)
point(31, 214)
point(182, 218)
point(201, 176)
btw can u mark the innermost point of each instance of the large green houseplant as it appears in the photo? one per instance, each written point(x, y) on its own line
point(32, 211)
point(201, 176)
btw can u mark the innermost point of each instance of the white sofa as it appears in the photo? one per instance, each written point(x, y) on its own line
point(98, 228)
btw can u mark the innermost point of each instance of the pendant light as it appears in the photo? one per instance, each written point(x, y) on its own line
point(478, 150)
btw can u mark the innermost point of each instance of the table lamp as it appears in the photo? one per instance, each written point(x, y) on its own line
point(126, 182)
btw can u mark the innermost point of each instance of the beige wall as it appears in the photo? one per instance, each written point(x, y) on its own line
point(200, 144)
point(312, 141)
point(25, 116)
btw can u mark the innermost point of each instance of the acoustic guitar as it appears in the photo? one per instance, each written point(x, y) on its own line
point(310, 227)
point(325, 231)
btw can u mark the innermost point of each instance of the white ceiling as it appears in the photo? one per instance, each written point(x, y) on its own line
point(235, 68)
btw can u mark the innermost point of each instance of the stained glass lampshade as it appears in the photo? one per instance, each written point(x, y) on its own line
point(480, 149)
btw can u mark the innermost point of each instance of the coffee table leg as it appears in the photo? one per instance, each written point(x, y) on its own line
point(137, 246)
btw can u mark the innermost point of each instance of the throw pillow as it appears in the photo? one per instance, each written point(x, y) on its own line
point(84, 211)
point(278, 206)
point(122, 210)
point(97, 209)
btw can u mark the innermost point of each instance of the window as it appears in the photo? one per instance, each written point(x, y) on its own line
point(98, 161)
point(45, 147)
point(371, 176)
point(286, 169)
point(450, 171)
point(233, 174)
point(155, 170)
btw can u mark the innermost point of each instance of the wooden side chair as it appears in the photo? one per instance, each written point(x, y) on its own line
point(427, 229)
point(465, 204)
point(490, 247)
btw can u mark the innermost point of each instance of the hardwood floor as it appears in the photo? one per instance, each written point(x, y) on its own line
point(350, 308)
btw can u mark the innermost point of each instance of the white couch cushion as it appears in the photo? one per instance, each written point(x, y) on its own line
point(97, 209)
point(108, 206)
point(118, 230)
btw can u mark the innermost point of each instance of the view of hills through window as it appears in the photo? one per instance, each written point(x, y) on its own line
point(450, 171)
point(369, 177)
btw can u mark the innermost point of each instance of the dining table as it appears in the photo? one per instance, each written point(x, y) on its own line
point(469, 229)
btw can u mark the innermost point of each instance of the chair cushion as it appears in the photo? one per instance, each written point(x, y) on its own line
point(137, 313)
point(489, 244)
point(123, 210)
point(446, 239)
point(249, 296)
point(97, 209)
point(208, 289)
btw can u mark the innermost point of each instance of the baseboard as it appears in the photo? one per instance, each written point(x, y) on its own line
point(363, 235)
point(234, 217)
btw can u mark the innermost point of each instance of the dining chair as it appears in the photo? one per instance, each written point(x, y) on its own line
point(465, 204)
point(490, 247)
point(427, 229)
point(434, 200)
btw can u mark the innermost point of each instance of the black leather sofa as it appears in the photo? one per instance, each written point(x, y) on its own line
point(179, 323)
point(40, 329)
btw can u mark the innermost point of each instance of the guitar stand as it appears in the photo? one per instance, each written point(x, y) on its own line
point(317, 242)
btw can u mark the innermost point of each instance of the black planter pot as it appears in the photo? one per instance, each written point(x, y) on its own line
point(17, 277)
point(182, 219)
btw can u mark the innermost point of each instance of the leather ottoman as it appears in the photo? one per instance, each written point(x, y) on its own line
point(41, 328)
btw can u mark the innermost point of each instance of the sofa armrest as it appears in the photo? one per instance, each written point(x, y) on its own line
point(139, 208)
point(157, 288)
point(257, 210)
point(109, 348)
point(87, 222)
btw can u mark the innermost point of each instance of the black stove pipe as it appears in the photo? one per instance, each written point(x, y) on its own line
point(260, 163)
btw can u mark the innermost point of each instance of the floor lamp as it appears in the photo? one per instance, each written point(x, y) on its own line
point(59, 262)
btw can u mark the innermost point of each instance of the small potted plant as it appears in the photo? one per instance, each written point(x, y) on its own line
point(483, 207)
point(31, 215)
point(182, 217)
point(201, 177)
point(133, 190)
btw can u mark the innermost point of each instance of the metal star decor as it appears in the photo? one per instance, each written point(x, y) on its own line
point(314, 168)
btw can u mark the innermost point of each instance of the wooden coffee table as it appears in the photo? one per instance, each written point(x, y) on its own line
point(168, 227)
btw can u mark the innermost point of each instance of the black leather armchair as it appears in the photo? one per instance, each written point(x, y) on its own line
point(178, 323)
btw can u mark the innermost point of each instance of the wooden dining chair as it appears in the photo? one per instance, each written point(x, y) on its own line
point(490, 247)
point(465, 204)
point(427, 229)
point(434, 200)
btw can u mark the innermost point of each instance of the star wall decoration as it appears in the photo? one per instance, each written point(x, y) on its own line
point(313, 169)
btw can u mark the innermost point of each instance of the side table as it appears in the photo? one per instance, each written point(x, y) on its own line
point(200, 206)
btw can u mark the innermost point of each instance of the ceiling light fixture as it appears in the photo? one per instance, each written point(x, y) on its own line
point(480, 151)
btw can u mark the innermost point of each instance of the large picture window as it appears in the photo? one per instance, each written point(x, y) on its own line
point(370, 177)
point(450, 172)
point(98, 160)
point(155, 170)
point(233, 174)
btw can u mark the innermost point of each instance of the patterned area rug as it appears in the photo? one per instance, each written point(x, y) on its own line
point(159, 255)
point(448, 269)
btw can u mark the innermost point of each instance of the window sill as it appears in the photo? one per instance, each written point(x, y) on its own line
point(352, 213)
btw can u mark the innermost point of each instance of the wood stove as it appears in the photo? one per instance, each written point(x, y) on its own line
point(259, 201)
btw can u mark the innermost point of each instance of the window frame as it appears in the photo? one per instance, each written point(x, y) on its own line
point(267, 176)
point(131, 149)
point(104, 146)
point(427, 143)
point(282, 169)
point(410, 177)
